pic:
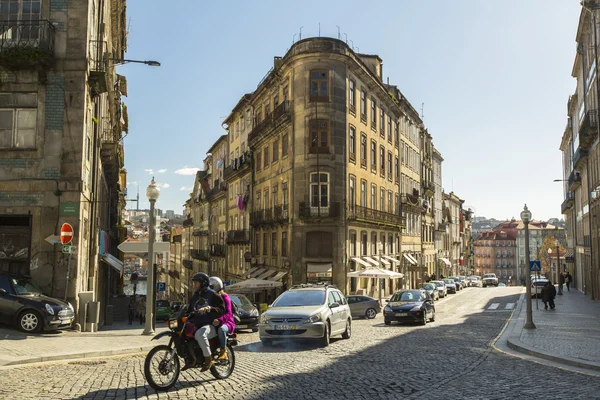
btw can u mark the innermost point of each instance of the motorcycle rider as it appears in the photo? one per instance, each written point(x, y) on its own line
point(226, 323)
point(203, 318)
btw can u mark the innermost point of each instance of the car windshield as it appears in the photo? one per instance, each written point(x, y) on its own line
point(301, 298)
point(489, 276)
point(25, 288)
point(240, 300)
point(411, 295)
point(429, 286)
point(449, 281)
point(162, 303)
point(438, 283)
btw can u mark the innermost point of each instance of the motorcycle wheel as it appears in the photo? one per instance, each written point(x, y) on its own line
point(222, 369)
point(160, 375)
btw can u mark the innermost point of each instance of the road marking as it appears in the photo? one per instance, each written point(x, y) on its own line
point(509, 306)
point(493, 306)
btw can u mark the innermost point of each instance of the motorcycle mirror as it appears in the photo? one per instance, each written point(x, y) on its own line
point(199, 304)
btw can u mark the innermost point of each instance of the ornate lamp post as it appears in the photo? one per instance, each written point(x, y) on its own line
point(526, 217)
point(152, 192)
point(558, 269)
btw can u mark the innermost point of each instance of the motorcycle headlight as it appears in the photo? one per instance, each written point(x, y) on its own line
point(264, 319)
point(254, 313)
point(173, 324)
point(313, 318)
point(49, 309)
point(416, 308)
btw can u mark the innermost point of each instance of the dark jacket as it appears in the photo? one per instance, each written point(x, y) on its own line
point(213, 300)
point(548, 293)
point(561, 279)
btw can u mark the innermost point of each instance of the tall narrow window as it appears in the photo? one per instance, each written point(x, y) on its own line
point(352, 191)
point(274, 196)
point(319, 136)
point(274, 243)
point(363, 150)
point(256, 243)
point(397, 134)
point(352, 143)
point(266, 157)
point(363, 243)
point(373, 156)
point(390, 203)
point(389, 165)
point(319, 189)
point(363, 193)
point(389, 128)
point(275, 150)
point(382, 160)
point(397, 169)
point(284, 244)
point(284, 145)
point(352, 96)
point(265, 244)
point(373, 113)
point(382, 122)
point(382, 199)
point(319, 86)
point(258, 161)
point(374, 197)
point(284, 193)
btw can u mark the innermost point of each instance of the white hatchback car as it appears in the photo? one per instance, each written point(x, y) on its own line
point(536, 286)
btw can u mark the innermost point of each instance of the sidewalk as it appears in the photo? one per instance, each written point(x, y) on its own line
point(20, 348)
point(569, 334)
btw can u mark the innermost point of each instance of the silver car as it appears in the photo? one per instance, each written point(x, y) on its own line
point(364, 306)
point(442, 290)
point(432, 290)
point(310, 311)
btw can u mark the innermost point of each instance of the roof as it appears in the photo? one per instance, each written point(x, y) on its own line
point(244, 100)
point(219, 140)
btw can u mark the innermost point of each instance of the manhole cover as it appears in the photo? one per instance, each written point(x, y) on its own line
point(87, 362)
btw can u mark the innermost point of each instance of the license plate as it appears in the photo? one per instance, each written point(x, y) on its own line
point(401, 314)
point(242, 326)
point(66, 321)
point(285, 327)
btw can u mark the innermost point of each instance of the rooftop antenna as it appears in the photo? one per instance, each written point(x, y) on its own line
point(300, 36)
point(352, 44)
point(422, 107)
point(357, 49)
point(294, 38)
point(345, 34)
point(319, 29)
point(339, 37)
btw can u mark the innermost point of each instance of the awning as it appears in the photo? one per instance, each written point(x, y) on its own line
point(383, 260)
point(392, 259)
point(361, 262)
point(409, 258)
point(255, 273)
point(113, 262)
point(318, 270)
point(267, 273)
point(252, 271)
point(570, 256)
point(445, 261)
point(278, 276)
point(373, 262)
point(252, 285)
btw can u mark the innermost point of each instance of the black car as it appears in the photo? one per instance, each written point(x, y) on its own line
point(409, 306)
point(23, 304)
point(247, 312)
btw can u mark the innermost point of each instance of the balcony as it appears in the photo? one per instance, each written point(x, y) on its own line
point(199, 232)
point(217, 250)
point(188, 222)
point(281, 214)
point(588, 129)
point(568, 203)
point(429, 188)
point(579, 157)
point(201, 255)
point(574, 180)
point(238, 237)
point(412, 201)
point(257, 218)
point(219, 187)
point(365, 214)
point(189, 264)
point(308, 212)
point(99, 71)
point(26, 44)
point(442, 227)
point(280, 115)
point(238, 166)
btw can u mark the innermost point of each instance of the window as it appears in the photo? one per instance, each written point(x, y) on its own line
point(397, 204)
point(382, 160)
point(382, 199)
point(276, 150)
point(373, 242)
point(390, 204)
point(363, 150)
point(319, 136)
point(353, 243)
point(258, 160)
point(17, 128)
point(266, 157)
point(363, 193)
point(363, 106)
point(352, 190)
point(284, 246)
point(352, 96)
point(382, 122)
point(397, 134)
point(382, 241)
point(373, 113)
point(389, 165)
point(266, 199)
point(389, 128)
point(284, 145)
point(274, 243)
point(265, 243)
point(374, 197)
point(373, 155)
point(284, 192)
point(319, 86)
point(319, 189)
point(352, 144)
point(363, 243)
point(237, 129)
point(24, 10)
point(397, 168)
point(286, 93)
point(258, 203)
point(274, 195)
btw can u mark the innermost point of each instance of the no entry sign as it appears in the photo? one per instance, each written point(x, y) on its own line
point(66, 233)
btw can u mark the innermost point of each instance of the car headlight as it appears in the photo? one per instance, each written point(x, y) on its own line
point(313, 318)
point(264, 319)
point(49, 309)
point(416, 308)
point(387, 308)
point(254, 313)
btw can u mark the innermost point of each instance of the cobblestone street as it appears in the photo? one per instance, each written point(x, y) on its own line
point(449, 358)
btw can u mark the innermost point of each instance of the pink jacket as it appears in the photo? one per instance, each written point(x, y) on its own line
point(227, 318)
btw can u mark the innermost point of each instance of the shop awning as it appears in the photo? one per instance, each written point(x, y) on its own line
point(113, 262)
point(253, 270)
point(278, 276)
point(409, 258)
point(392, 259)
point(373, 262)
point(266, 274)
point(445, 261)
point(256, 272)
point(383, 260)
point(361, 262)
point(319, 270)
point(570, 256)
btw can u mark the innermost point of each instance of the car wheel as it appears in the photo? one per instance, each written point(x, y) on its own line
point(424, 321)
point(348, 332)
point(266, 342)
point(370, 313)
point(254, 330)
point(387, 322)
point(326, 337)
point(30, 321)
point(433, 316)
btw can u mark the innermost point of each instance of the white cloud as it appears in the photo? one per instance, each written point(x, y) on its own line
point(162, 171)
point(150, 171)
point(164, 185)
point(185, 188)
point(134, 183)
point(187, 171)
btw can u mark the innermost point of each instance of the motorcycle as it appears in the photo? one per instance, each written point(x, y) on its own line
point(162, 366)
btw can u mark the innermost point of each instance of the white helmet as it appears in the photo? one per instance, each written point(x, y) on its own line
point(215, 283)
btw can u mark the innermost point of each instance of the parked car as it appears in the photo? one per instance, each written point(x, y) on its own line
point(364, 306)
point(442, 290)
point(489, 280)
point(409, 306)
point(431, 290)
point(502, 284)
point(463, 281)
point(24, 305)
point(247, 312)
point(474, 281)
point(536, 286)
point(307, 311)
point(456, 283)
point(450, 285)
point(163, 310)
point(176, 305)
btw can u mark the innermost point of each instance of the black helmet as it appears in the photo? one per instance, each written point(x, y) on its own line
point(202, 278)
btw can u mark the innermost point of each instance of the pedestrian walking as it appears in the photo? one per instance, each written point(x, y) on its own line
point(568, 279)
point(142, 310)
point(548, 295)
point(561, 282)
point(131, 310)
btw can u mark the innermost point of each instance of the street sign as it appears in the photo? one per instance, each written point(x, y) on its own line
point(69, 209)
point(142, 247)
point(161, 286)
point(535, 266)
point(66, 233)
point(67, 249)
point(53, 239)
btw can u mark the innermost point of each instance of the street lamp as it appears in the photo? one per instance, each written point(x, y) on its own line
point(152, 192)
point(557, 243)
point(150, 63)
point(526, 217)
point(380, 248)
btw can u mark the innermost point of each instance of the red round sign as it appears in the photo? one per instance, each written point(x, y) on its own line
point(66, 233)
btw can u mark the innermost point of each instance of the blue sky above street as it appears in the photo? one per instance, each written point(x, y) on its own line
point(494, 78)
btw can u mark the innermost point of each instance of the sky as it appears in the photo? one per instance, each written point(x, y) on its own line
point(493, 79)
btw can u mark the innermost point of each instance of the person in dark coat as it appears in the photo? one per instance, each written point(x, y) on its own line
point(568, 280)
point(561, 281)
point(548, 295)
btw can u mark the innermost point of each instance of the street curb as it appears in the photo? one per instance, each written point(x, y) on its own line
point(72, 356)
point(514, 342)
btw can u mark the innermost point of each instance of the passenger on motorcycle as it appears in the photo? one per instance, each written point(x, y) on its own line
point(203, 318)
point(225, 324)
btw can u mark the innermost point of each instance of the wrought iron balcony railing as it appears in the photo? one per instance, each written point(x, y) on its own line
point(331, 211)
point(99, 71)
point(370, 215)
point(280, 114)
point(188, 222)
point(26, 44)
point(189, 264)
point(241, 236)
point(200, 255)
point(200, 232)
point(588, 129)
point(217, 250)
point(238, 165)
point(568, 203)
point(579, 157)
